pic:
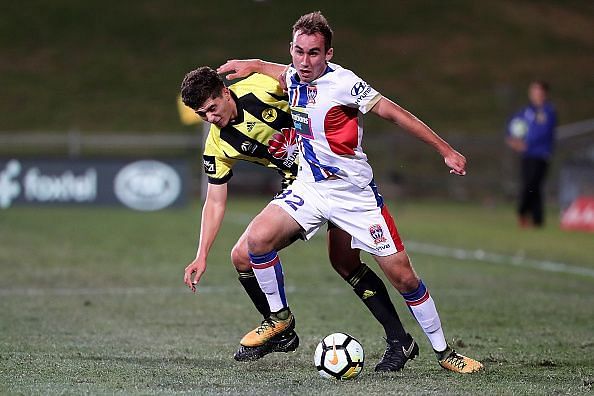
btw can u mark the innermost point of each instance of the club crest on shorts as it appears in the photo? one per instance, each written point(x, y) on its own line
point(377, 233)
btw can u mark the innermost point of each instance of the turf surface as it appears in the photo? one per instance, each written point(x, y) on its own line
point(92, 300)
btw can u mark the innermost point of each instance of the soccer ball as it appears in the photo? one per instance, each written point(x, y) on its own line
point(339, 356)
point(518, 128)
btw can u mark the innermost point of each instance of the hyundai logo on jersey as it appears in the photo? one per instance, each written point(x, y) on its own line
point(358, 88)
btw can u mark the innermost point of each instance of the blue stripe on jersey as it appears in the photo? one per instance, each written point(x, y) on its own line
point(298, 90)
point(298, 95)
point(328, 70)
point(378, 197)
point(311, 159)
point(316, 167)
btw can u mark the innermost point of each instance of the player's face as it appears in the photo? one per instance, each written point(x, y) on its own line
point(537, 95)
point(218, 110)
point(309, 55)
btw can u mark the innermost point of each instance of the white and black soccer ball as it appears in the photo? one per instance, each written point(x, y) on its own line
point(518, 128)
point(339, 356)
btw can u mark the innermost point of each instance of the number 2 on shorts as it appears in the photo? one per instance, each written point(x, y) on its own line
point(295, 200)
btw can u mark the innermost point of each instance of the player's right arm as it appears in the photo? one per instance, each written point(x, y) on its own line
point(244, 67)
point(392, 112)
point(213, 212)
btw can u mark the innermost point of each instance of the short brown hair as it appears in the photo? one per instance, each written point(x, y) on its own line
point(200, 85)
point(544, 85)
point(313, 23)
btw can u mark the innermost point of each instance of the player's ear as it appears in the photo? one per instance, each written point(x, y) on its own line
point(290, 47)
point(226, 93)
point(329, 54)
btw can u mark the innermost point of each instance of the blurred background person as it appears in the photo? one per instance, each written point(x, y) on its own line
point(531, 132)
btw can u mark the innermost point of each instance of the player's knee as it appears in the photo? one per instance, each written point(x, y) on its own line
point(345, 266)
point(409, 283)
point(240, 258)
point(407, 279)
point(259, 240)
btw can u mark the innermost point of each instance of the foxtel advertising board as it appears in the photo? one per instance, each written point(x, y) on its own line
point(145, 185)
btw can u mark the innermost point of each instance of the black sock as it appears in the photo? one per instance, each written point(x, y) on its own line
point(372, 291)
point(250, 284)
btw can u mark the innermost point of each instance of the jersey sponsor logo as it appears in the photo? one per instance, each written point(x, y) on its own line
point(312, 92)
point(377, 233)
point(269, 114)
point(283, 146)
point(209, 164)
point(361, 90)
point(248, 147)
point(250, 125)
point(358, 88)
point(302, 123)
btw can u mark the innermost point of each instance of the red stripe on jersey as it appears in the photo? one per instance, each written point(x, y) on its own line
point(392, 228)
point(270, 263)
point(341, 126)
point(419, 301)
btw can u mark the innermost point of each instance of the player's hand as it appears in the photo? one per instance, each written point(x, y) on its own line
point(456, 162)
point(518, 145)
point(238, 68)
point(194, 272)
point(282, 80)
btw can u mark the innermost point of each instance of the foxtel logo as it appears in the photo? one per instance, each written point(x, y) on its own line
point(9, 187)
point(46, 188)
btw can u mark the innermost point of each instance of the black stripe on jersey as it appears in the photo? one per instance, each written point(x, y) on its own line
point(284, 97)
point(255, 106)
point(222, 180)
point(251, 147)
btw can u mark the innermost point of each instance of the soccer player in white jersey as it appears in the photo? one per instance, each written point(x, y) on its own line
point(335, 182)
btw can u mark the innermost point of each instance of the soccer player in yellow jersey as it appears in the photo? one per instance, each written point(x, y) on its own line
point(251, 121)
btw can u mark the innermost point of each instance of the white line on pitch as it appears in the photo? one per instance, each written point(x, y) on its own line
point(465, 254)
point(495, 258)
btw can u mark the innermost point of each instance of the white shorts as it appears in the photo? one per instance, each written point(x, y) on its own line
point(360, 212)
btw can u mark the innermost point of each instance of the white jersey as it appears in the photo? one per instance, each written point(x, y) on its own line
point(327, 114)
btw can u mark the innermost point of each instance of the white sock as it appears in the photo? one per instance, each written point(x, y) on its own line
point(423, 308)
point(269, 273)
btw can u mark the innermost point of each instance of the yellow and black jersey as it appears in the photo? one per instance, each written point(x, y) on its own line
point(262, 133)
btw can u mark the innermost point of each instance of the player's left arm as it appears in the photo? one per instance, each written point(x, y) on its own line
point(390, 111)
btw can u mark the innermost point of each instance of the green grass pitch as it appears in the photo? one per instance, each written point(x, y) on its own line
point(92, 301)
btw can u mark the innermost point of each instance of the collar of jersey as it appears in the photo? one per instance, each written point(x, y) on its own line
point(295, 77)
point(239, 118)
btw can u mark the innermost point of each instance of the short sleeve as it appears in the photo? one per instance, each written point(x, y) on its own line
point(217, 166)
point(352, 91)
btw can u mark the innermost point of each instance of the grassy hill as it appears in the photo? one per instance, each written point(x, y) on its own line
point(462, 65)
